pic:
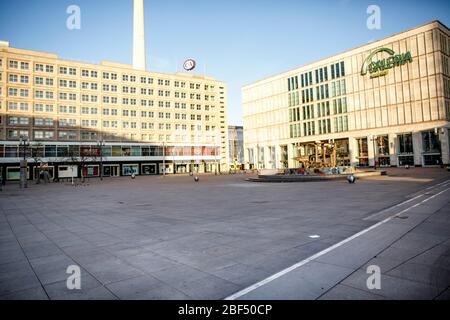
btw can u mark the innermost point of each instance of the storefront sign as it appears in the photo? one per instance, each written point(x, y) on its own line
point(381, 67)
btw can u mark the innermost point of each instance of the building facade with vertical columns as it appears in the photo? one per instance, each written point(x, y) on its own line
point(109, 118)
point(386, 103)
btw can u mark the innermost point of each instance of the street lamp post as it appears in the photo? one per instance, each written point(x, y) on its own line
point(101, 144)
point(374, 138)
point(215, 159)
point(24, 143)
point(215, 151)
point(257, 157)
point(164, 159)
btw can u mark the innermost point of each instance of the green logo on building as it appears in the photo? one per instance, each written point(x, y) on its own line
point(381, 67)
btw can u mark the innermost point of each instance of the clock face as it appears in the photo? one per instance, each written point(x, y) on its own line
point(189, 65)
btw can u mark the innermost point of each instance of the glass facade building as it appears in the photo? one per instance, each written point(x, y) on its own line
point(386, 103)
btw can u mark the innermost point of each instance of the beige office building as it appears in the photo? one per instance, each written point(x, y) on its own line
point(147, 120)
point(385, 103)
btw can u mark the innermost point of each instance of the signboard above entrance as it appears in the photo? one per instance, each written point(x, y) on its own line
point(381, 67)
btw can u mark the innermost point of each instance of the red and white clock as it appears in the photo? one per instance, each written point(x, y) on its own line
point(189, 65)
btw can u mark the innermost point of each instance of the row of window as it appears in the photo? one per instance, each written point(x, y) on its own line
point(337, 70)
point(38, 134)
point(63, 83)
point(431, 144)
point(52, 151)
point(293, 99)
point(48, 122)
point(322, 126)
point(22, 92)
point(39, 67)
point(323, 110)
point(338, 88)
point(293, 83)
point(306, 79)
point(322, 92)
point(14, 64)
point(14, 106)
point(93, 136)
point(322, 74)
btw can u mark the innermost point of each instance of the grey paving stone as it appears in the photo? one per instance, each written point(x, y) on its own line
point(176, 275)
point(18, 283)
point(86, 255)
point(444, 295)
point(16, 269)
point(428, 275)
point(364, 248)
point(52, 268)
point(207, 288)
point(11, 255)
point(58, 291)
point(207, 264)
point(145, 287)
point(112, 270)
point(393, 287)
point(441, 228)
point(36, 293)
point(42, 250)
point(241, 274)
point(385, 263)
point(395, 253)
point(202, 232)
point(438, 257)
point(342, 292)
point(308, 282)
point(419, 242)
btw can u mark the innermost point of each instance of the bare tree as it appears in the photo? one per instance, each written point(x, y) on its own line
point(36, 153)
point(82, 158)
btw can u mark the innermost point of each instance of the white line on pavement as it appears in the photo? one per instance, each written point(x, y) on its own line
point(433, 186)
point(409, 200)
point(323, 252)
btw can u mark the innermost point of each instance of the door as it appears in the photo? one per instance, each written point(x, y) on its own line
point(115, 171)
point(107, 171)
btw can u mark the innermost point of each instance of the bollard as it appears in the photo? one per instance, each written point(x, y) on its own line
point(351, 179)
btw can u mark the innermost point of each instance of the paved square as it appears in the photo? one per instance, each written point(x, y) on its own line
point(171, 238)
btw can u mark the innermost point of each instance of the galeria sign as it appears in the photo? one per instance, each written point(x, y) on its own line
point(381, 67)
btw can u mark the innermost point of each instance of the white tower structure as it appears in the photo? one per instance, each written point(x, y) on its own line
point(139, 62)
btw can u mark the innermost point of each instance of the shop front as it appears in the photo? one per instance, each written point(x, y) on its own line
point(148, 169)
point(431, 146)
point(13, 173)
point(181, 168)
point(363, 152)
point(130, 169)
point(91, 171)
point(405, 149)
point(384, 159)
point(111, 170)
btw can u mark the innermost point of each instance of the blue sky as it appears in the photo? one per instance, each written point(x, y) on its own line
point(234, 40)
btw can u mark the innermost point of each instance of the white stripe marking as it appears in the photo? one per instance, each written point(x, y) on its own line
point(390, 208)
point(323, 252)
point(406, 201)
point(433, 186)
